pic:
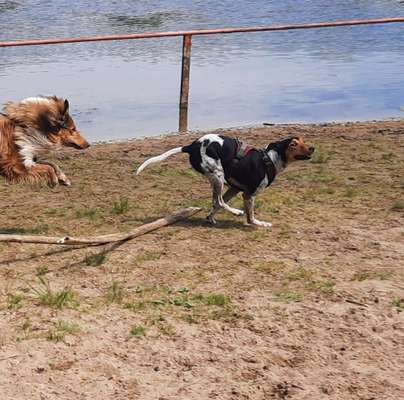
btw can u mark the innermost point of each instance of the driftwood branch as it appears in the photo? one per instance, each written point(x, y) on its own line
point(99, 240)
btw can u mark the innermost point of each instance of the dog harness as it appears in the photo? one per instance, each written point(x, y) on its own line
point(242, 149)
point(270, 166)
point(272, 162)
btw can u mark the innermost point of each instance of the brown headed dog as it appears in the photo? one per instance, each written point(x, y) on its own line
point(29, 131)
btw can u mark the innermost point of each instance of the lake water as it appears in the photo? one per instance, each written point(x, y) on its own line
point(128, 89)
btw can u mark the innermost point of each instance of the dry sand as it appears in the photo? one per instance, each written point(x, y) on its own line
point(309, 309)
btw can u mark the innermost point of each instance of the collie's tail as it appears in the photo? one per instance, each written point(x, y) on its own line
point(159, 158)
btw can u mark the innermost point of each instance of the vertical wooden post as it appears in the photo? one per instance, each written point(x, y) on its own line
point(186, 64)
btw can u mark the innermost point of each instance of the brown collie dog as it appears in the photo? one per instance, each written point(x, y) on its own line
point(29, 131)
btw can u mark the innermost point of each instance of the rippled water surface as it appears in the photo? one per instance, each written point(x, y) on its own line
point(128, 89)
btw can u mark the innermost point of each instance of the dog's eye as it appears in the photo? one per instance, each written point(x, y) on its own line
point(62, 124)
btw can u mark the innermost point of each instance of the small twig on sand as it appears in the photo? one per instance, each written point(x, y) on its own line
point(9, 357)
point(356, 303)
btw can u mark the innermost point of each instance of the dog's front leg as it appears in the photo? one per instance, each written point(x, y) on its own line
point(249, 211)
point(40, 173)
point(62, 178)
point(216, 180)
point(230, 193)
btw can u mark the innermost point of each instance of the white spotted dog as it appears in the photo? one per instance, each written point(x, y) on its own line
point(245, 169)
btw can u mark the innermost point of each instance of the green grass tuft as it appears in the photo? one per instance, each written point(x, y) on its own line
point(14, 301)
point(95, 260)
point(61, 329)
point(121, 206)
point(55, 299)
point(91, 213)
point(397, 302)
point(215, 299)
point(115, 293)
point(138, 330)
point(398, 206)
point(148, 256)
point(288, 296)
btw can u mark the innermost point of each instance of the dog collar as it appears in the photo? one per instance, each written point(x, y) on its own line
point(276, 160)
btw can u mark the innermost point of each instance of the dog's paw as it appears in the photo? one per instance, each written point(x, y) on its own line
point(211, 219)
point(63, 179)
point(263, 224)
point(65, 182)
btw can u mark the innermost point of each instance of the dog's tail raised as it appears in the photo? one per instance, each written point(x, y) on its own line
point(159, 158)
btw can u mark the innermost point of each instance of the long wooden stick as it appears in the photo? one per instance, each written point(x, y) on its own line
point(98, 240)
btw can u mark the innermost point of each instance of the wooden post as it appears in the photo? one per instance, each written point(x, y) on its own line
point(186, 64)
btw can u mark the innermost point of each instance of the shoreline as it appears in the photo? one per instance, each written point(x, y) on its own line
point(248, 127)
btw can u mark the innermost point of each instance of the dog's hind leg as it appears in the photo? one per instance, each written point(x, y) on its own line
point(216, 180)
point(35, 174)
point(230, 193)
point(249, 211)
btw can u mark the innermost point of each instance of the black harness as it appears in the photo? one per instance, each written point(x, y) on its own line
point(242, 150)
point(270, 167)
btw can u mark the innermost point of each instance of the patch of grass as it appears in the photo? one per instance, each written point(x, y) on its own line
point(229, 314)
point(300, 274)
point(397, 206)
point(138, 330)
point(120, 206)
point(204, 203)
point(41, 271)
point(321, 177)
point(95, 260)
point(92, 213)
point(42, 228)
point(350, 193)
point(397, 302)
point(136, 306)
point(61, 329)
point(324, 286)
point(215, 299)
point(115, 293)
point(26, 329)
point(55, 299)
point(56, 212)
point(149, 255)
point(163, 327)
point(288, 296)
point(326, 190)
point(388, 156)
point(270, 267)
point(13, 231)
point(14, 301)
point(320, 157)
point(366, 275)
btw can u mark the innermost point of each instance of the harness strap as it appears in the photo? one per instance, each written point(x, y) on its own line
point(242, 149)
point(269, 166)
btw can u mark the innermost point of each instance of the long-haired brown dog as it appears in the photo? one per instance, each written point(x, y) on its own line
point(29, 131)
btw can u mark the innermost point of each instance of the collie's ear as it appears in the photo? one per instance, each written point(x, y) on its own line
point(66, 107)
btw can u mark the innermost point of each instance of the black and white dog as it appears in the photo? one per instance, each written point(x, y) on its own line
point(245, 169)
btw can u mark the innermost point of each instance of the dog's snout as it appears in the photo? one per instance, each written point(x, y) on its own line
point(311, 149)
point(86, 145)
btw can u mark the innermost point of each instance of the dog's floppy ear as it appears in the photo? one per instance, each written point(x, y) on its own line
point(66, 107)
point(294, 142)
